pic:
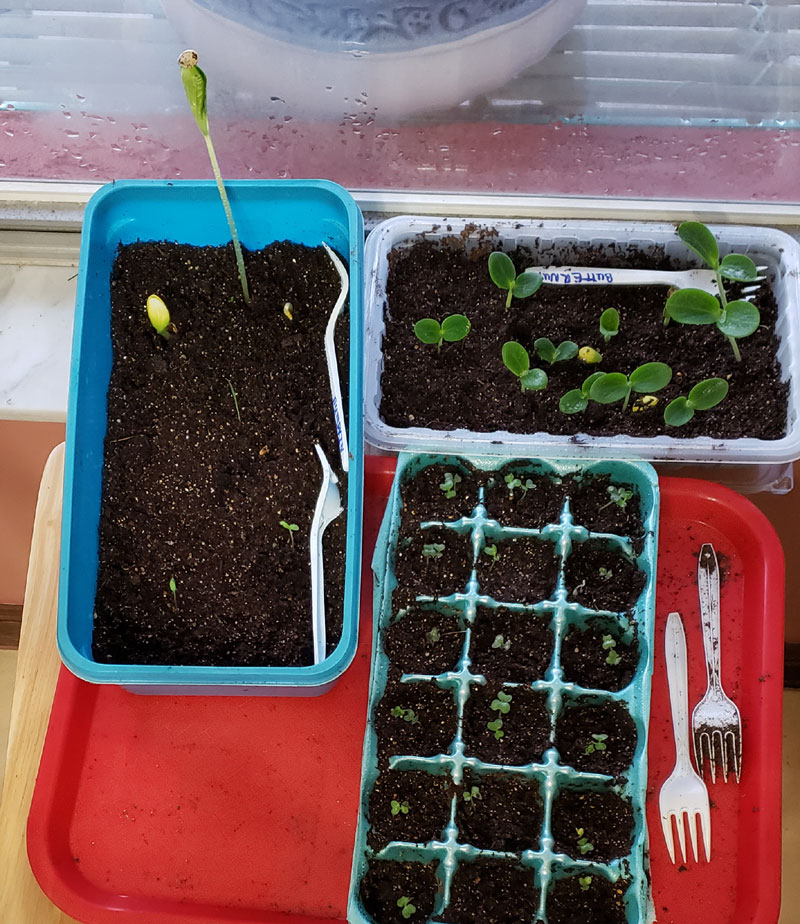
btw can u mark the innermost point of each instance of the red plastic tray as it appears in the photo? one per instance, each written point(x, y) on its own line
point(212, 810)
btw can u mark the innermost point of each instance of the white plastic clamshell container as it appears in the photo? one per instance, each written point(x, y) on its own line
point(560, 242)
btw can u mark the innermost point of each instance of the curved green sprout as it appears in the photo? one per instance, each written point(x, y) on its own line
point(504, 276)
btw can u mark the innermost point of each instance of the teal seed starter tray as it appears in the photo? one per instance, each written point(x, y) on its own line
point(449, 851)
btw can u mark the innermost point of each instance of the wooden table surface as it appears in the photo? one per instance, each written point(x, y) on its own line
point(21, 899)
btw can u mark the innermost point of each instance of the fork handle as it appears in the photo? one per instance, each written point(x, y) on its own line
point(592, 276)
point(678, 681)
point(708, 592)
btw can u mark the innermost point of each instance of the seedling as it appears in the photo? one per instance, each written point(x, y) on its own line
point(407, 715)
point(585, 883)
point(616, 386)
point(619, 496)
point(235, 399)
point(174, 588)
point(158, 314)
point(471, 795)
point(448, 486)
point(703, 396)
point(513, 482)
point(583, 842)
point(432, 550)
point(577, 400)
point(288, 310)
point(736, 319)
point(598, 743)
point(504, 276)
point(609, 324)
point(518, 362)
point(194, 84)
point(434, 635)
point(404, 902)
point(503, 703)
point(501, 642)
point(497, 727)
point(610, 645)
point(454, 327)
point(605, 573)
point(399, 808)
point(547, 351)
point(491, 551)
point(291, 528)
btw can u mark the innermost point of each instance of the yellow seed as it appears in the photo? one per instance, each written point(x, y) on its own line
point(589, 355)
point(287, 310)
point(158, 313)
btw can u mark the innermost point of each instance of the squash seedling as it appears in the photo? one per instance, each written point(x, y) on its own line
point(453, 328)
point(577, 400)
point(406, 906)
point(736, 319)
point(194, 85)
point(291, 528)
point(518, 362)
point(609, 323)
point(158, 315)
point(702, 397)
point(504, 276)
point(611, 387)
point(550, 353)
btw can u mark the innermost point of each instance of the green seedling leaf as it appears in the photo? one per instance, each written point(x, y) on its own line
point(609, 642)
point(434, 635)
point(491, 551)
point(408, 909)
point(678, 412)
point(650, 377)
point(613, 658)
point(399, 808)
point(614, 386)
point(708, 393)
point(497, 727)
point(158, 315)
point(432, 550)
point(500, 642)
point(609, 387)
point(472, 794)
point(291, 528)
point(504, 276)
point(619, 496)
point(609, 323)
point(740, 319)
point(407, 715)
point(585, 882)
point(573, 402)
point(449, 484)
point(693, 306)
point(605, 574)
point(598, 743)
point(517, 360)
point(174, 588)
point(698, 237)
point(428, 330)
point(738, 267)
point(455, 327)
point(533, 380)
point(550, 353)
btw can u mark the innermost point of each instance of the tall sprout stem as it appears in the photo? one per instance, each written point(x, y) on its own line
point(724, 302)
point(237, 247)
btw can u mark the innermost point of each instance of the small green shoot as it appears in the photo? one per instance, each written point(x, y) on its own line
point(408, 909)
point(453, 328)
point(598, 743)
point(407, 715)
point(235, 399)
point(619, 496)
point(449, 484)
point(174, 588)
point(703, 396)
point(517, 360)
point(615, 386)
point(472, 794)
point(549, 353)
point(583, 842)
point(399, 808)
point(434, 635)
point(497, 727)
point(513, 482)
point(432, 550)
point(501, 642)
point(503, 703)
point(589, 355)
point(610, 645)
point(194, 84)
point(158, 315)
point(288, 310)
point(491, 552)
point(585, 883)
point(292, 529)
point(605, 573)
point(577, 400)
point(609, 324)
point(504, 276)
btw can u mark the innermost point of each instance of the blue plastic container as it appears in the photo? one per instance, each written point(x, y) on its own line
point(189, 212)
point(450, 850)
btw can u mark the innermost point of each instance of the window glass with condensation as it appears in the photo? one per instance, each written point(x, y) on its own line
point(679, 99)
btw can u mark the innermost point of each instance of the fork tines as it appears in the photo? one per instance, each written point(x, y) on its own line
point(715, 743)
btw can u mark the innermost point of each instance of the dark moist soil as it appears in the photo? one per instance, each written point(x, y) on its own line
point(424, 641)
point(591, 506)
point(525, 571)
point(466, 384)
point(388, 881)
point(601, 577)
point(408, 805)
point(602, 902)
point(492, 892)
point(429, 731)
point(506, 813)
point(444, 572)
point(511, 647)
point(526, 726)
point(532, 505)
point(423, 497)
point(195, 491)
point(603, 819)
point(574, 730)
point(584, 659)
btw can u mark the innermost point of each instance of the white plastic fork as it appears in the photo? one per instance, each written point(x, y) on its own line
point(683, 793)
point(704, 279)
point(328, 507)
